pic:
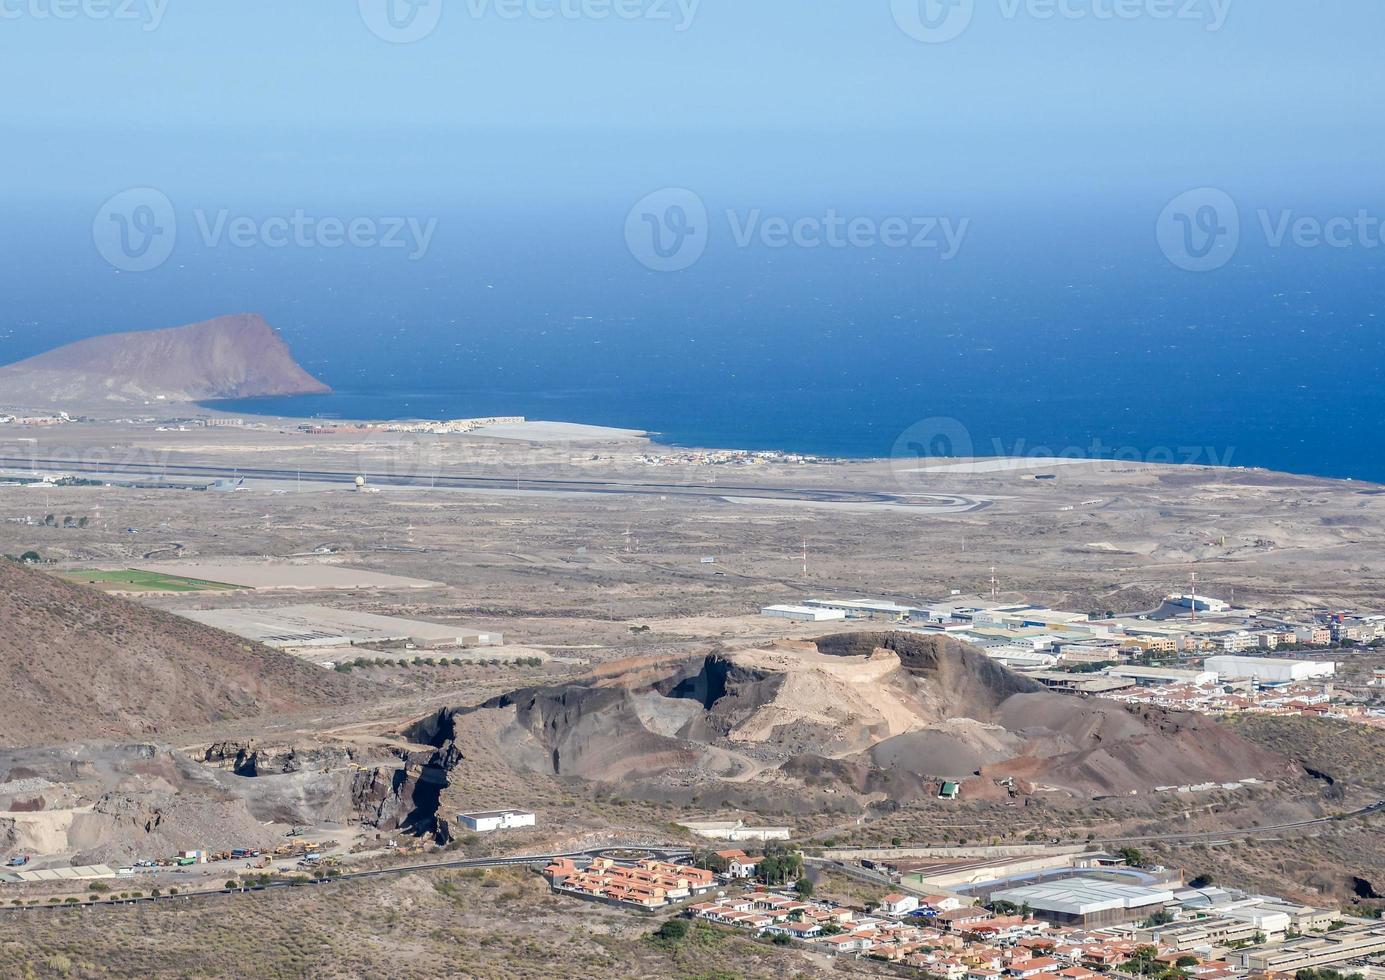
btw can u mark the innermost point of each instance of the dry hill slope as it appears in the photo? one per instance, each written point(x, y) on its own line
point(76, 664)
point(238, 356)
point(877, 715)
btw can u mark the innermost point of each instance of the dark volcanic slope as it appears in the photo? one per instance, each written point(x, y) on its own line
point(238, 356)
point(77, 664)
point(875, 712)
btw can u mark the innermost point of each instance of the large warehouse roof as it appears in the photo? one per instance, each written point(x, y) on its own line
point(1083, 896)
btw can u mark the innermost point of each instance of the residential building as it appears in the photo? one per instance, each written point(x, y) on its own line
point(738, 864)
point(898, 905)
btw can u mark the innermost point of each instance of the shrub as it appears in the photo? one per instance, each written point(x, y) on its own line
point(672, 931)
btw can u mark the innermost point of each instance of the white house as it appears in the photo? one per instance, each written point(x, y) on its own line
point(738, 864)
point(897, 905)
point(489, 820)
point(942, 903)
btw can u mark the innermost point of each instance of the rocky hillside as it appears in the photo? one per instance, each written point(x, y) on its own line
point(238, 356)
point(76, 664)
point(869, 714)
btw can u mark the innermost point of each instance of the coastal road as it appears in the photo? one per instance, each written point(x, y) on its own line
point(951, 503)
point(617, 852)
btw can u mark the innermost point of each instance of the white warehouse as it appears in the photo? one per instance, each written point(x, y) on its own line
point(488, 820)
point(803, 614)
point(1266, 670)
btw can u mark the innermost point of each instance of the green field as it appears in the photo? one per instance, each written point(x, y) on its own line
point(133, 579)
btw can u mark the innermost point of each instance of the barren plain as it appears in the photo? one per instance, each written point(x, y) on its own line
point(610, 555)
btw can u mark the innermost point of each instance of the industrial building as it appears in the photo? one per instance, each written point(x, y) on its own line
point(1087, 901)
point(869, 609)
point(1199, 603)
point(803, 614)
point(1095, 684)
point(1208, 935)
point(488, 820)
point(1155, 676)
point(1346, 945)
point(1267, 670)
point(1021, 658)
point(1024, 617)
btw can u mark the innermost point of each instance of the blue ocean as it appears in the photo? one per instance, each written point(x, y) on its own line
point(1051, 331)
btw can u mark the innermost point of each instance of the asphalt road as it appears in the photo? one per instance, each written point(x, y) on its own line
point(661, 853)
point(196, 471)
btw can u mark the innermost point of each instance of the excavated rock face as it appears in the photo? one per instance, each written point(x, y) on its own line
point(867, 714)
point(964, 672)
point(248, 759)
point(613, 730)
point(408, 797)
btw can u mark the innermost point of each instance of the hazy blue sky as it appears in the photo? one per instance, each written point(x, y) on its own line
point(259, 96)
point(1075, 139)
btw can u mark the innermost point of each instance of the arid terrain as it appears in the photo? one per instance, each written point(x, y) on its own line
point(494, 925)
point(637, 685)
point(853, 720)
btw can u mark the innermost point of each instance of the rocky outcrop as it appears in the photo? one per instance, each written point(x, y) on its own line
point(252, 760)
point(239, 356)
point(870, 714)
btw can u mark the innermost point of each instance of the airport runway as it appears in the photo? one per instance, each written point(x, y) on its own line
point(950, 503)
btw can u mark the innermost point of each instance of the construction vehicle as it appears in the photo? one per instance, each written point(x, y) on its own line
point(17, 862)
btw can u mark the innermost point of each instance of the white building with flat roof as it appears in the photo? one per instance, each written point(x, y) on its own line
point(1156, 676)
point(1268, 670)
point(1200, 603)
point(803, 614)
point(871, 608)
point(1087, 901)
point(486, 821)
point(1021, 658)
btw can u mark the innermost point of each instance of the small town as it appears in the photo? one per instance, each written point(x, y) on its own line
point(1074, 916)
